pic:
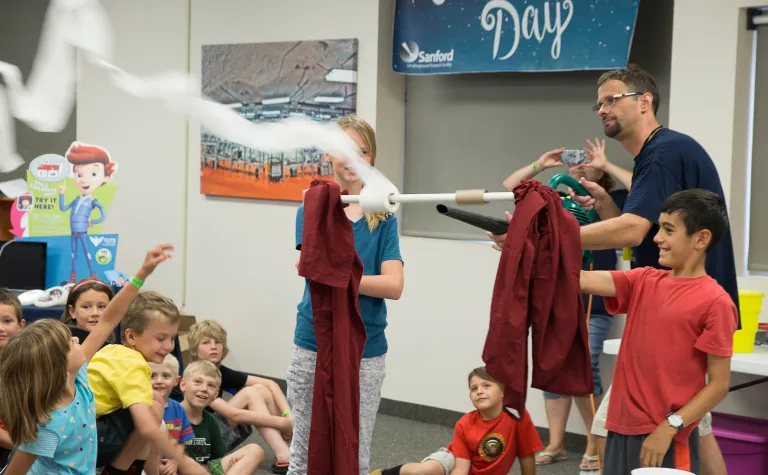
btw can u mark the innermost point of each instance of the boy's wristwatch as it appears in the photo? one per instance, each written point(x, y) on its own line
point(675, 421)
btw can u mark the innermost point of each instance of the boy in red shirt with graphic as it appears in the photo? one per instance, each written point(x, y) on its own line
point(485, 442)
point(680, 326)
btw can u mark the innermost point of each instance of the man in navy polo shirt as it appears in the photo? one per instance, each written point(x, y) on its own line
point(665, 162)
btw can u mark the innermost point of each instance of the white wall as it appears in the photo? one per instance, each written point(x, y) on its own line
point(145, 139)
point(240, 257)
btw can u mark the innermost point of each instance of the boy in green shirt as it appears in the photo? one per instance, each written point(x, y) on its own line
point(200, 386)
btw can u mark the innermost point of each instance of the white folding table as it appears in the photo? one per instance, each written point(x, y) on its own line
point(747, 363)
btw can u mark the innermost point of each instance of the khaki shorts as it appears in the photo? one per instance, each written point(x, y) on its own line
point(598, 424)
point(445, 458)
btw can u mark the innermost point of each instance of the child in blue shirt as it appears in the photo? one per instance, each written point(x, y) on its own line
point(47, 406)
point(165, 377)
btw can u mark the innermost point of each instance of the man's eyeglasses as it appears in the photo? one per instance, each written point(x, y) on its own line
point(611, 100)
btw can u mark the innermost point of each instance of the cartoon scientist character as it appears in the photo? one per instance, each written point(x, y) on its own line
point(92, 168)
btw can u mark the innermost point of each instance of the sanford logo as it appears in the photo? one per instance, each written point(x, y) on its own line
point(414, 57)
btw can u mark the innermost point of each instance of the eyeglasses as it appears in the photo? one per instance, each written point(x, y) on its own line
point(610, 101)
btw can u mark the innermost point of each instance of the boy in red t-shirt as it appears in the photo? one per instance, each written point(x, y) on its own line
point(485, 442)
point(680, 326)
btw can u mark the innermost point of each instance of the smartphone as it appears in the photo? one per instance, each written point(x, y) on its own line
point(573, 157)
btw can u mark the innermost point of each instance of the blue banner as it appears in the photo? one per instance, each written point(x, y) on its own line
point(469, 36)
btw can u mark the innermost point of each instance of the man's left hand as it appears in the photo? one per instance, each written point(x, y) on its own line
point(499, 239)
point(657, 445)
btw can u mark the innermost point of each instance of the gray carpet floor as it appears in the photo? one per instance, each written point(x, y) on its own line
point(397, 441)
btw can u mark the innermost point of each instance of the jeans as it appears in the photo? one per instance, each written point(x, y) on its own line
point(599, 326)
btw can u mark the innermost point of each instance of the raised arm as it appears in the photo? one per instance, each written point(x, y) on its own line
point(548, 160)
point(597, 283)
point(118, 306)
point(598, 159)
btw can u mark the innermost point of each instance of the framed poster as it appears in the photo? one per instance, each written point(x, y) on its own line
point(267, 82)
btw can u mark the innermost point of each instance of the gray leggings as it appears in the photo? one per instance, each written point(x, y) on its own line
point(301, 384)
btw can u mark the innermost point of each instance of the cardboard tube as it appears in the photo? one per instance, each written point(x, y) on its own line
point(470, 197)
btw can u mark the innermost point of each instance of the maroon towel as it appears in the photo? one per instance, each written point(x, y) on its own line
point(330, 262)
point(537, 285)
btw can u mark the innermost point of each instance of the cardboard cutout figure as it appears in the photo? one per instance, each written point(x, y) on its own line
point(92, 168)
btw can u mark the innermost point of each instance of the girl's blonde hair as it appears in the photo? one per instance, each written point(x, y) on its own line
point(33, 375)
point(207, 329)
point(365, 131)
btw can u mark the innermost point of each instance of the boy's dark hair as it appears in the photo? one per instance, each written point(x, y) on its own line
point(699, 210)
point(636, 80)
point(8, 298)
point(483, 374)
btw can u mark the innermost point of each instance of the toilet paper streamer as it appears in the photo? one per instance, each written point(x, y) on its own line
point(45, 103)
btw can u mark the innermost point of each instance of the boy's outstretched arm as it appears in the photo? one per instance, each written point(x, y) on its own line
point(597, 283)
point(246, 417)
point(157, 437)
point(528, 465)
point(462, 467)
point(657, 444)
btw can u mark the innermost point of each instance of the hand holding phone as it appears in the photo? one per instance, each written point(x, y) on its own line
point(572, 157)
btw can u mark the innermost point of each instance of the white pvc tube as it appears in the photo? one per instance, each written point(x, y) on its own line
point(433, 197)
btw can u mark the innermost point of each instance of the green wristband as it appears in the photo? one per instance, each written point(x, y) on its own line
point(534, 165)
point(286, 412)
point(136, 282)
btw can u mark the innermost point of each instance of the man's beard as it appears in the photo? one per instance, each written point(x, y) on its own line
point(613, 130)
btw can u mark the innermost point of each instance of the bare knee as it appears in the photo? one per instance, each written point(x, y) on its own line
point(259, 392)
point(255, 451)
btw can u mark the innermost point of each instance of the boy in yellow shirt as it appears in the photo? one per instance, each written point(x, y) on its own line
point(128, 417)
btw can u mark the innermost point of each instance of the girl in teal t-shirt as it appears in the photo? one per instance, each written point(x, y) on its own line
point(378, 246)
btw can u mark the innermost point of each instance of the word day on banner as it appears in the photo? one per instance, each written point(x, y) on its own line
point(469, 36)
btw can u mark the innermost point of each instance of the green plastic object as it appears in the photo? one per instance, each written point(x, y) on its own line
point(583, 216)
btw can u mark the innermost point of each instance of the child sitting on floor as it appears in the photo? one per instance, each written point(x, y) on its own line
point(680, 326)
point(11, 319)
point(487, 440)
point(256, 401)
point(85, 304)
point(11, 323)
point(200, 386)
point(128, 416)
point(47, 404)
point(165, 376)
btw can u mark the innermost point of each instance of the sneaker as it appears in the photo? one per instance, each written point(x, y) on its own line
point(281, 467)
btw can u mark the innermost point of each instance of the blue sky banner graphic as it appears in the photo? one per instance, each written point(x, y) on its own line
point(469, 36)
